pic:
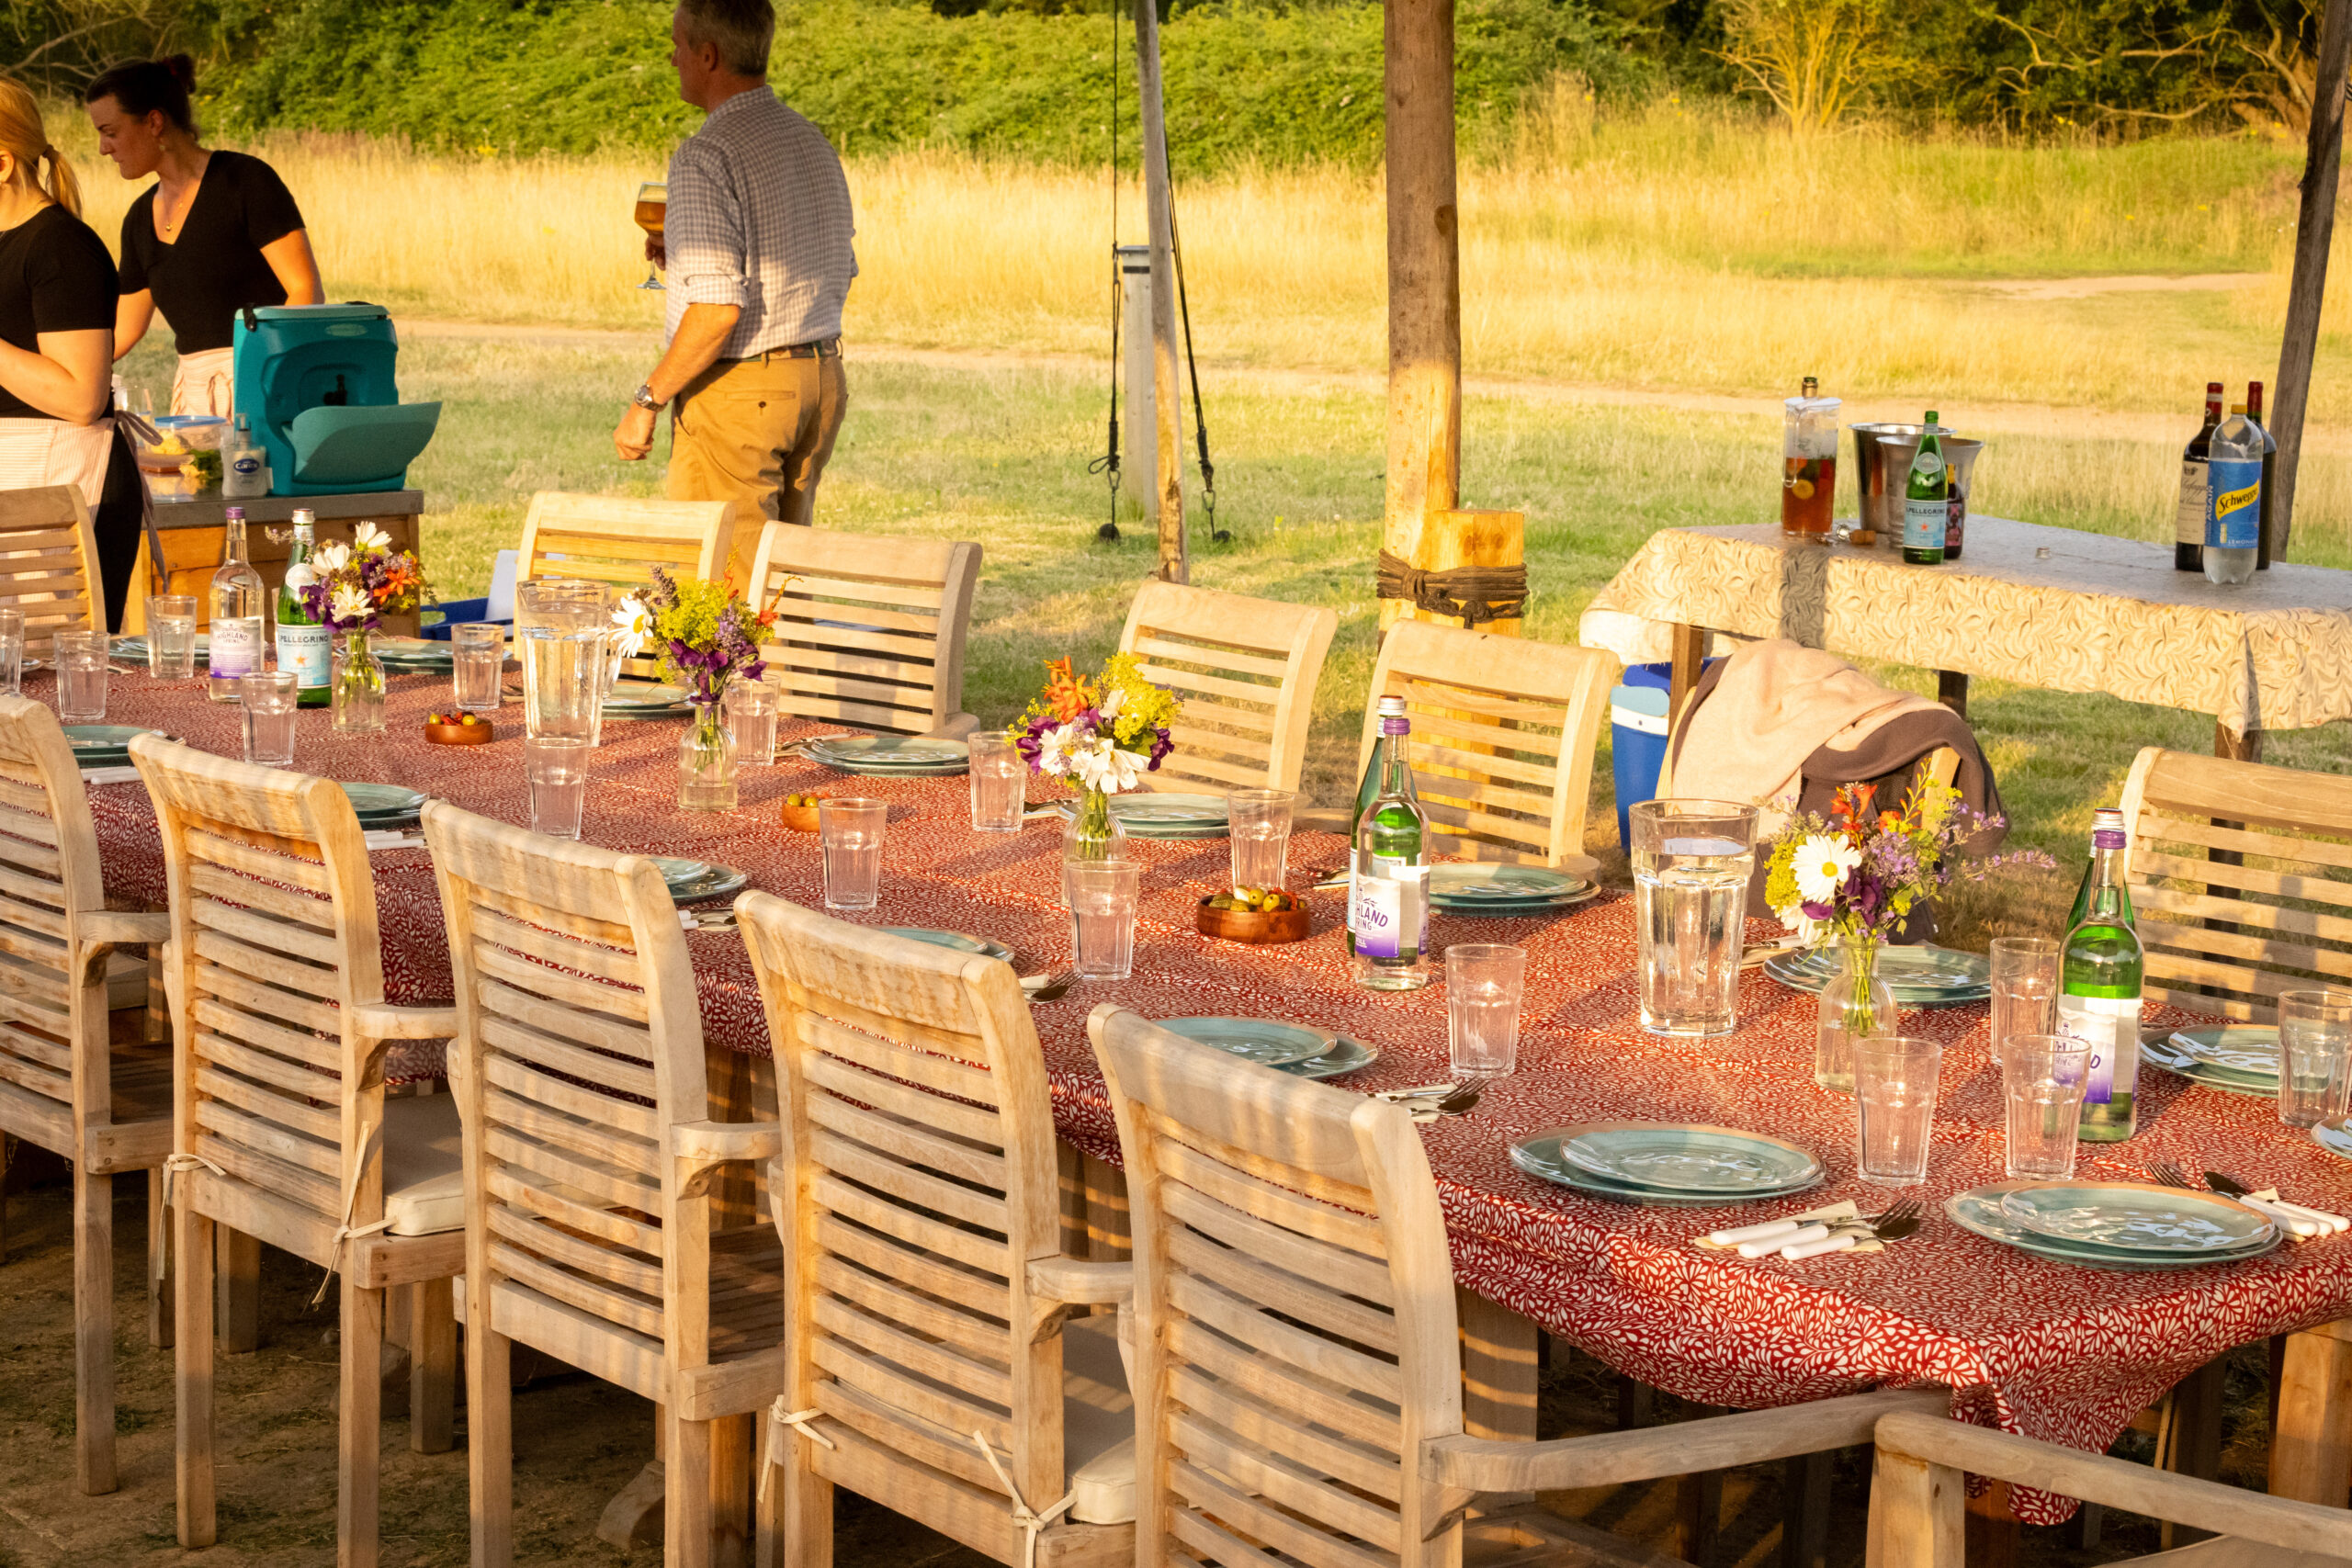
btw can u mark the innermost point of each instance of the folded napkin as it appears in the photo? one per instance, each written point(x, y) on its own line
point(2293, 1218)
point(127, 774)
point(394, 838)
point(1797, 1237)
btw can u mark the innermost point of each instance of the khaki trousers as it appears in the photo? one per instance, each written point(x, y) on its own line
point(757, 432)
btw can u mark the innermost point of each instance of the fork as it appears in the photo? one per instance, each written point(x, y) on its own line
point(2170, 1175)
point(1464, 1098)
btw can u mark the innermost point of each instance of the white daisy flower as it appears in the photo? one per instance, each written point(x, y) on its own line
point(1822, 866)
point(352, 604)
point(1807, 929)
point(369, 538)
point(632, 624)
point(330, 558)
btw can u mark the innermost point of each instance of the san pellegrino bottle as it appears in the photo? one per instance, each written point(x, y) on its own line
point(1388, 919)
point(235, 610)
point(2234, 515)
point(2268, 541)
point(2098, 1000)
point(2188, 516)
point(304, 643)
point(1927, 505)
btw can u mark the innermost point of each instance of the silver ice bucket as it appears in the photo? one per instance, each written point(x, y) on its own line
point(1878, 479)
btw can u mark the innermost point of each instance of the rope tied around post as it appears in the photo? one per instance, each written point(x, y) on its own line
point(174, 1163)
point(346, 1231)
point(1475, 593)
point(1029, 1522)
point(780, 1420)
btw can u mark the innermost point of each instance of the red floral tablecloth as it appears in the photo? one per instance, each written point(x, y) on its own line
point(2060, 1353)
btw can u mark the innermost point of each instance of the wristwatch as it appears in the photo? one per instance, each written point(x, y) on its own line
point(645, 398)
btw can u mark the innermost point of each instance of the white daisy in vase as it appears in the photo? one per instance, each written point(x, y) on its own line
point(1822, 864)
point(369, 538)
point(352, 604)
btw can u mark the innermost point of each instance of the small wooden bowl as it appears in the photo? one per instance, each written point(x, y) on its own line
point(1250, 925)
point(478, 733)
point(801, 818)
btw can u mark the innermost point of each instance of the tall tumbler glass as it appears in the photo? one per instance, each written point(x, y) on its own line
point(1692, 860)
point(12, 652)
point(1485, 982)
point(2025, 987)
point(1260, 823)
point(850, 827)
point(171, 636)
point(2042, 1079)
point(562, 682)
point(556, 768)
point(1102, 896)
point(999, 784)
point(1894, 1095)
point(751, 718)
point(268, 698)
point(2315, 1041)
point(477, 667)
point(81, 677)
point(563, 606)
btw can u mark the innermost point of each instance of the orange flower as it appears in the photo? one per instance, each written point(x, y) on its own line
point(1066, 694)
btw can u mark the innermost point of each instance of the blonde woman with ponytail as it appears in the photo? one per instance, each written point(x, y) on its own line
point(57, 308)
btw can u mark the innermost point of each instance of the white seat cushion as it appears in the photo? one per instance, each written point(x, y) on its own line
point(424, 1186)
point(1098, 1424)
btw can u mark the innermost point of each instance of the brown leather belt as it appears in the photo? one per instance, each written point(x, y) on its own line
point(823, 348)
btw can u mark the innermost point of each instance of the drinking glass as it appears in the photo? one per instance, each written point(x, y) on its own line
point(171, 636)
point(1259, 820)
point(1895, 1092)
point(1692, 860)
point(563, 682)
point(268, 698)
point(477, 666)
point(653, 209)
point(2042, 1079)
point(2314, 1034)
point(1484, 983)
point(751, 718)
point(2025, 987)
point(81, 677)
point(12, 652)
point(1101, 895)
point(556, 767)
point(851, 830)
point(999, 784)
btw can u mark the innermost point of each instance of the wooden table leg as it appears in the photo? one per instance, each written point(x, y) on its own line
point(1951, 690)
point(1690, 660)
point(1635, 1400)
point(1804, 1510)
point(238, 1282)
point(2189, 1441)
point(1994, 1539)
point(1698, 1509)
point(732, 1440)
point(1499, 1369)
point(432, 1366)
point(2231, 746)
point(2311, 1443)
point(1109, 1237)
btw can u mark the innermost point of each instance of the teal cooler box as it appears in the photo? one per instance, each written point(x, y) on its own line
point(317, 383)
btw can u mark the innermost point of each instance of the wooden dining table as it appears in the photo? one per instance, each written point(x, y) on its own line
point(2065, 1354)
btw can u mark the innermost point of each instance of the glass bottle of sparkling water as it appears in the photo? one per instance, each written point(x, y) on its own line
point(302, 641)
point(1927, 503)
point(236, 614)
point(2098, 1000)
point(1388, 910)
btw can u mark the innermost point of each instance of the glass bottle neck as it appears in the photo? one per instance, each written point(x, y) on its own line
point(237, 545)
point(1395, 769)
point(303, 544)
point(2109, 903)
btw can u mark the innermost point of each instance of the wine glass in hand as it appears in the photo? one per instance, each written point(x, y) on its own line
point(652, 204)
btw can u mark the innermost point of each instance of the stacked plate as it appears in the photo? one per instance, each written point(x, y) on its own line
point(1285, 1047)
point(412, 656)
point(692, 881)
point(892, 756)
point(381, 808)
point(960, 941)
point(1151, 814)
point(2238, 1058)
point(133, 650)
point(1503, 891)
point(1926, 975)
point(103, 745)
point(2124, 1226)
point(1679, 1164)
point(636, 699)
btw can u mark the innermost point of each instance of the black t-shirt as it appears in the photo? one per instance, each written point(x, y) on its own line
point(216, 267)
point(55, 277)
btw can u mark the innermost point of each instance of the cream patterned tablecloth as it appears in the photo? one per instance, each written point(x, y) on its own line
point(2098, 614)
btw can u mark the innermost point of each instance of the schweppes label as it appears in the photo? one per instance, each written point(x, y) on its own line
point(2234, 520)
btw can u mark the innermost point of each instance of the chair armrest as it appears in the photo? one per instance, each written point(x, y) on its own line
point(1075, 1282)
point(1321, 819)
point(716, 1142)
point(956, 726)
point(382, 1021)
point(125, 928)
point(1721, 1442)
point(2119, 1483)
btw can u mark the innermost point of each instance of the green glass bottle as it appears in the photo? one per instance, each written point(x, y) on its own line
point(1927, 501)
point(1389, 918)
point(303, 645)
point(2098, 1000)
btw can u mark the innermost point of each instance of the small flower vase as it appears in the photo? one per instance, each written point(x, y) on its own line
point(706, 762)
point(355, 686)
point(1092, 833)
point(1855, 1004)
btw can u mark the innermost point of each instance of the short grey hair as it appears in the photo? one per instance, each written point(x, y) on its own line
point(739, 29)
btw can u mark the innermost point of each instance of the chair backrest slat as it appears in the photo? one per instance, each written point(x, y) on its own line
point(2241, 876)
point(1503, 736)
point(55, 1074)
point(1246, 670)
point(48, 563)
point(870, 630)
point(578, 1046)
point(619, 539)
point(1296, 1337)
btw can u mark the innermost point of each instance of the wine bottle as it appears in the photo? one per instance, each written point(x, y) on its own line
point(2188, 515)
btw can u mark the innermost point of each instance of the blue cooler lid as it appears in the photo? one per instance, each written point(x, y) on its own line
point(358, 446)
point(1639, 708)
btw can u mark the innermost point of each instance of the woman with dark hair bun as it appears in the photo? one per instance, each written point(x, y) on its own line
point(217, 232)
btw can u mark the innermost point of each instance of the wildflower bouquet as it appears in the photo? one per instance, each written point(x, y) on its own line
point(1102, 735)
point(707, 633)
point(359, 584)
point(1861, 873)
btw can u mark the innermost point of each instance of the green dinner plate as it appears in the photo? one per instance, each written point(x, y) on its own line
point(2136, 1218)
point(1147, 813)
point(2172, 1059)
point(891, 750)
point(959, 940)
point(1924, 975)
point(636, 695)
point(1540, 1156)
point(1979, 1210)
point(692, 881)
point(1345, 1057)
point(1258, 1040)
point(374, 801)
point(2335, 1136)
point(2243, 1051)
point(88, 739)
point(134, 650)
point(1503, 883)
point(1685, 1159)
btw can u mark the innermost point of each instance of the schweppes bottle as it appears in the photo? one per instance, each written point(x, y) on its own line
point(2234, 515)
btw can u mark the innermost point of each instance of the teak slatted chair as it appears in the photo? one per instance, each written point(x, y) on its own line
point(49, 564)
point(589, 1153)
point(1919, 1501)
point(62, 1087)
point(281, 1126)
point(917, 1192)
point(1503, 734)
point(1246, 670)
point(619, 539)
point(1297, 1366)
point(2266, 855)
point(872, 629)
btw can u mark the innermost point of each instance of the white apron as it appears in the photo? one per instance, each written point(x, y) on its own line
point(206, 383)
point(35, 452)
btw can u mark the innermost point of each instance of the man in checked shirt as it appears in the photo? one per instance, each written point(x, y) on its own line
point(757, 241)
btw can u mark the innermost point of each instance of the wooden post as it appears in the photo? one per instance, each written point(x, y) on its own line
point(1424, 271)
point(1441, 540)
point(1499, 1369)
point(1166, 400)
point(2311, 1442)
point(2315, 227)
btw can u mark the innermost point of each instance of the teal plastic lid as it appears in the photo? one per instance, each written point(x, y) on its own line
point(345, 445)
point(353, 311)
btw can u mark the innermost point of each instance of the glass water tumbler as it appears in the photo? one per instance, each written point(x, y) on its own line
point(2025, 987)
point(2314, 1052)
point(1259, 821)
point(851, 830)
point(556, 768)
point(1692, 860)
point(1895, 1101)
point(1102, 896)
point(477, 667)
point(751, 718)
point(1484, 983)
point(999, 784)
point(12, 652)
point(267, 702)
point(171, 636)
point(82, 671)
point(2042, 1077)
